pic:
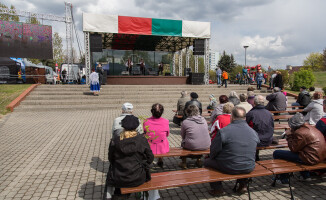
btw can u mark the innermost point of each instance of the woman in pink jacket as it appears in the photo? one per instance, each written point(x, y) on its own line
point(157, 130)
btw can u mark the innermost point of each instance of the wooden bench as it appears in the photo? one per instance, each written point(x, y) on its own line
point(281, 126)
point(286, 111)
point(294, 106)
point(179, 151)
point(278, 117)
point(180, 178)
point(278, 166)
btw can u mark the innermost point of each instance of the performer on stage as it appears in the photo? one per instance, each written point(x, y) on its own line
point(142, 66)
point(129, 65)
point(160, 68)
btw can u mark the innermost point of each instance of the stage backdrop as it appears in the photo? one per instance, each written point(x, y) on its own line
point(25, 40)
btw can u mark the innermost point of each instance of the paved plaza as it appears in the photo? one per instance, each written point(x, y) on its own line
point(62, 154)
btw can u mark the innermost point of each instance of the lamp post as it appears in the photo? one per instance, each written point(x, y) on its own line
point(245, 47)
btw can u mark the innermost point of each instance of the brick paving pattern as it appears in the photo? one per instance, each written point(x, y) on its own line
point(62, 154)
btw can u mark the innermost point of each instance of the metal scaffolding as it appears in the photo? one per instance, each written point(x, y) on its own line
point(180, 63)
point(196, 63)
point(87, 56)
point(206, 61)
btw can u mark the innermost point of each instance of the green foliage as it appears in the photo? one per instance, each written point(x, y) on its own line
point(33, 20)
point(324, 89)
point(320, 79)
point(226, 62)
point(8, 93)
point(7, 17)
point(235, 71)
point(58, 54)
point(212, 75)
point(303, 77)
point(324, 60)
point(314, 62)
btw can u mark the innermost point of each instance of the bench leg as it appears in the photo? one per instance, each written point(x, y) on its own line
point(292, 198)
point(248, 189)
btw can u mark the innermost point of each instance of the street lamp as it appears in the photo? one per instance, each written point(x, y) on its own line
point(245, 47)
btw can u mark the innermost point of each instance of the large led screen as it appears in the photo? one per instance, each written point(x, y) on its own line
point(25, 40)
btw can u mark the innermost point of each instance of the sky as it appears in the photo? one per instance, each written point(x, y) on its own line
point(278, 32)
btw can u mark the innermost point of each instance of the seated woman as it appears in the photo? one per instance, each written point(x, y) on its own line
point(194, 133)
point(307, 146)
point(314, 109)
point(212, 102)
point(222, 120)
point(234, 98)
point(219, 108)
point(156, 129)
point(130, 157)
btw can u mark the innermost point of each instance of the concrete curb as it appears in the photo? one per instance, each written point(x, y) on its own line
point(21, 97)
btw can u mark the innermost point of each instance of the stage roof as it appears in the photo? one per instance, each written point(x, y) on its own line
point(148, 34)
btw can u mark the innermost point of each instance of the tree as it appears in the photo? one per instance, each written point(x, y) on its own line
point(7, 17)
point(314, 62)
point(58, 55)
point(324, 59)
point(226, 62)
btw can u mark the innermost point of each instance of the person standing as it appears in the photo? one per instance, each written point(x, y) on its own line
point(218, 75)
point(129, 64)
point(278, 81)
point(64, 76)
point(233, 151)
point(100, 71)
point(245, 75)
point(259, 79)
point(94, 83)
point(160, 68)
point(142, 66)
point(225, 77)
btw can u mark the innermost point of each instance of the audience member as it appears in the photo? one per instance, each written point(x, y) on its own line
point(218, 75)
point(182, 102)
point(157, 130)
point(311, 92)
point(116, 127)
point(222, 120)
point(314, 109)
point(124, 172)
point(194, 133)
point(321, 124)
point(307, 145)
point(193, 101)
point(276, 100)
point(234, 98)
point(212, 102)
point(234, 140)
point(243, 103)
point(303, 98)
point(251, 97)
point(261, 120)
point(219, 108)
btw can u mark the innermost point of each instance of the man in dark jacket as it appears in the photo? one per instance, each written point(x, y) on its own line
point(277, 100)
point(261, 120)
point(233, 150)
point(303, 98)
point(193, 101)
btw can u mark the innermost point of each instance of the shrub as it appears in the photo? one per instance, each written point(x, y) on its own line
point(303, 77)
point(324, 89)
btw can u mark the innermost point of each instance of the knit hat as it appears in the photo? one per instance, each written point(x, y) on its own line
point(130, 123)
point(194, 95)
point(296, 121)
point(211, 96)
point(127, 107)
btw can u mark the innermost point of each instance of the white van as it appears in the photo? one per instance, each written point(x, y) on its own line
point(72, 72)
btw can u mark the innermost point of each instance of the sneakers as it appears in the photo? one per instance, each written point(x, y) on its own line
point(242, 188)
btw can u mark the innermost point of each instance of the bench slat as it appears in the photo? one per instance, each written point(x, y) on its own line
point(282, 166)
point(190, 177)
point(287, 111)
point(177, 151)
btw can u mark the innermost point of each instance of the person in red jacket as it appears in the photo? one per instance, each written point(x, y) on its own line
point(222, 120)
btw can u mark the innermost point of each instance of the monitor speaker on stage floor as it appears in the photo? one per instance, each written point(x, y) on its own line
point(199, 47)
point(167, 74)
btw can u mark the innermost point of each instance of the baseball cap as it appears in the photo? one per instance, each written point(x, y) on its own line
point(127, 107)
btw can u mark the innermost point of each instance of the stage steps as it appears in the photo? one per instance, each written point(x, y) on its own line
point(78, 97)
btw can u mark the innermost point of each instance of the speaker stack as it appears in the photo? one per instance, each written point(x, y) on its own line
point(187, 71)
point(196, 78)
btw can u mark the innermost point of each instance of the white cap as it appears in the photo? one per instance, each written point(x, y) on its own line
point(127, 107)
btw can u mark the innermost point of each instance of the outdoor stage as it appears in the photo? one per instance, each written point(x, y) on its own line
point(146, 80)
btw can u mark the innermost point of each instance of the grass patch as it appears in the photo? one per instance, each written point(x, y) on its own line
point(8, 93)
point(320, 79)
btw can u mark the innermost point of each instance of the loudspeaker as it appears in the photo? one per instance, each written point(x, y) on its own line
point(187, 71)
point(199, 47)
point(167, 74)
point(95, 41)
point(195, 78)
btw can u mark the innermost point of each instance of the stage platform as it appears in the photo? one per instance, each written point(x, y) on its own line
point(146, 80)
